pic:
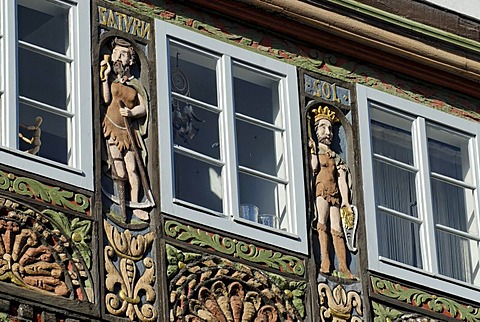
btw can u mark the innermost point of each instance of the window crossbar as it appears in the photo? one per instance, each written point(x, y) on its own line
point(257, 122)
point(45, 107)
point(399, 214)
point(198, 156)
point(45, 52)
point(262, 175)
point(457, 232)
point(195, 102)
point(455, 182)
point(396, 163)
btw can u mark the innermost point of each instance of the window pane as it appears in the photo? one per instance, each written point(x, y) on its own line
point(260, 149)
point(256, 95)
point(448, 154)
point(462, 260)
point(395, 188)
point(391, 136)
point(54, 142)
point(46, 26)
point(196, 128)
point(453, 206)
point(43, 79)
point(269, 197)
point(399, 239)
point(193, 73)
point(198, 182)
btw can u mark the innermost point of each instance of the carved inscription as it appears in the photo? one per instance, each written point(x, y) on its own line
point(327, 91)
point(124, 22)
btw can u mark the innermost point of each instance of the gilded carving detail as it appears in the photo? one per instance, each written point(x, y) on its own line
point(52, 195)
point(45, 251)
point(209, 288)
point(338, 305)
point(425, 300)
point(129, 280)
point(237, 248)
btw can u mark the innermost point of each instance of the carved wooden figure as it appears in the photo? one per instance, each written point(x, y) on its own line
point(332, 191)
point(35, 140)
point(124, 125)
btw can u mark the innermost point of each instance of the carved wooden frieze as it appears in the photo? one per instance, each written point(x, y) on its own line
point(418, 298)
point(38, 191)
point(210, 288)
point(130, 275)
point(231, 246)
point(45, 251)
point(383, 313)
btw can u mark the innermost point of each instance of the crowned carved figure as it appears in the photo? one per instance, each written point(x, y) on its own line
point(332, 191)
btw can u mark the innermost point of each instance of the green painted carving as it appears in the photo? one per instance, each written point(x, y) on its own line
point(294, 291)
point(4, 317)
point(78, 230)
point(178, 260)
point(425, 300)
point(384, 313)
point(240, 249)
point(36, 190)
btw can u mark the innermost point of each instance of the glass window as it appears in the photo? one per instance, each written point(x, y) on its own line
point(423, 213)
point(231, 163)
point(42, 122)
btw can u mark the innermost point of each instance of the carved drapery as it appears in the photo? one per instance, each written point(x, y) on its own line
point(209, 288)
point(338, 305)
point(130, 275)
point(45, 251)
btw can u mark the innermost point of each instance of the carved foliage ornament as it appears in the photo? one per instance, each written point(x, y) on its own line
point(36, 190)
point(387, 314)
point(237, 248)
point(425, 300)
point(209, 288)
point(129, 281)
point(338, 305)
point(45, 251)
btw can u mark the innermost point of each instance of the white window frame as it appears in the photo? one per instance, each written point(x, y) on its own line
point(229, 221)
point(79, 171)
point(429, 275)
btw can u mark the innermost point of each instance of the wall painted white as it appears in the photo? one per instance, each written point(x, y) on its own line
point(467, 7)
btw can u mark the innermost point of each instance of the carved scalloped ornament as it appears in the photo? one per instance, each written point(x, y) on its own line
point(52, 195)
point(338, 305)
point(38, 253)
point(130, 275)
point(230, 246)
point(425, 300)
point(209, 288)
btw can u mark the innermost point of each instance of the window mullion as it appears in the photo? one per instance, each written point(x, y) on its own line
point(474, 157)
point(227, 130)
point(427, 236)
point(9, 114)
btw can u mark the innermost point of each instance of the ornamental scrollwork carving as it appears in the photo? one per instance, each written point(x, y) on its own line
point(338, 305)
point(209, 288)
point(39, 253)
point(425, 300)
point(34, 189)
point(384, 313)
point(229, 246)
point(130, 275)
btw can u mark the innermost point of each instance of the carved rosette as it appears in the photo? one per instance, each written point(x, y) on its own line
point(130, 275)
point(45, 251)
point(338, 305)
point(209, 288)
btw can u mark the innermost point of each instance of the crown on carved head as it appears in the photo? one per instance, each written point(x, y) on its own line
point(324, 113)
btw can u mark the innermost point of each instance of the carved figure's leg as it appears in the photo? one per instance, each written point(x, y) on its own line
point(119, 174)
point(341, 252)
point(134, 180)
point(324, 248)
